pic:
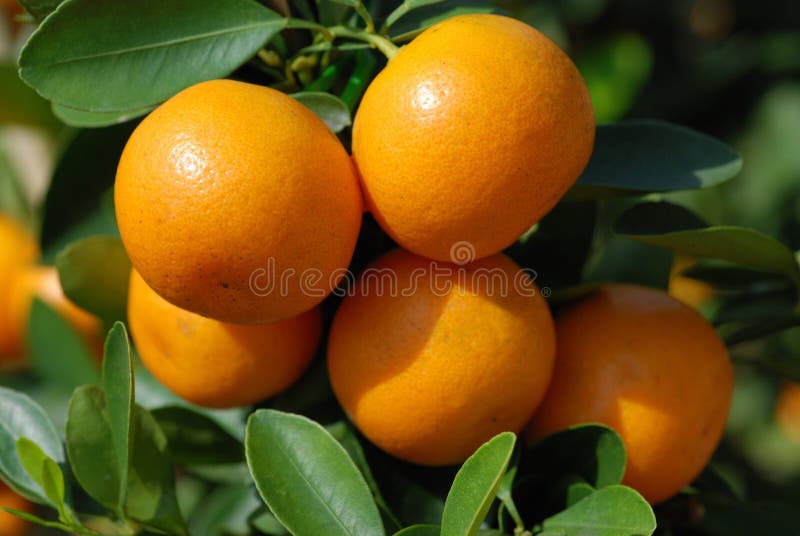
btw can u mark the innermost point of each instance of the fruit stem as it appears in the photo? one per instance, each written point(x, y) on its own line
point(383, 44)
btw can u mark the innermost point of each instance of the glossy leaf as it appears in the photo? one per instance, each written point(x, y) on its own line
point(40, 8)
point(635, 157)
point(84, 119)
point(119, 393)
point(426, 16)
point(306, 478)
point(592, 452)
point(420, 530)
point(155, 49)
point(610, 511)
point(194, 438)
point(329, 108)
point(404, 8)
point(58, 353)
point(475, 486)
point(21, 417)
point(674, 227)
point(225, 510)
point(95, 273)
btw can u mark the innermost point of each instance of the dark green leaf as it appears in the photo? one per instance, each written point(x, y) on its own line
point(40, 8)
point(194, 438)
point(119, 390)
point(631, 262)
point(634, 157)
point(578, 491)
point(735, 518)
point(226, 510)
point(36, 520)
point(19, 103)
point(420, 530)
point(151, 482)
point(84, 119)
point(475, 486)
point(423, 18)
point(676, 228)
point(85, 170)
point(267, 523)
point(592, 452)
point(306, 478)
point(94, 274)
point(329, 108)
point(611, 511)
point(155, 49)
point(21, 417)
point(404, 8)
point(58, 353)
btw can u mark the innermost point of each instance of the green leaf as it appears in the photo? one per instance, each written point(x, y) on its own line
point(42, 469)
point(344, 433)
point(84, 173)
point(95, 273)
point(40, 8)
point(151, 482)
point(151, 497)
point(329, 108)
point(267, 523)
point(475, 486)
point(20, 104)
point(58, 353)
point(225, 510)
point(155, 49)
point(426, 16)
point(506, 488)
point(118, 387)
point(611, 511)
point(85, 119)
point(194, 438)
point(21, 417)
point(671, 226)
point(420, 530)
point(404, 8)
point(577, 491)
point(592, 452)
point(37, 520)
point(90, 447)
point(306, 478)
point(635, 157)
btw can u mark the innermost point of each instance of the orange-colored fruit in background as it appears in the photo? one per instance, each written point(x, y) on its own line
point(11, 525)
point(215, 364)
point(434, 368)
point(229, 195)
point(42, 282)
point(650, 367)
point(787, 410)
point(689, 291)
point(471, 133)
point(17, 249)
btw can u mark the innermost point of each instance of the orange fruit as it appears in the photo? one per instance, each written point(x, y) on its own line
point(650, 367)
point(689, 291)
point(787, 410)
point(17, 249)
point(215, 364)
point(11, 525)
point(432, 366)
point(471, 133)
point(236, 202)
point(42, 282)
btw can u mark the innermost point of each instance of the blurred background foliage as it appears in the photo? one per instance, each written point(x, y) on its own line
point(729, 68)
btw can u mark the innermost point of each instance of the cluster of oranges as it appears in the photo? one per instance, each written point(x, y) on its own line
point(240, 211)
